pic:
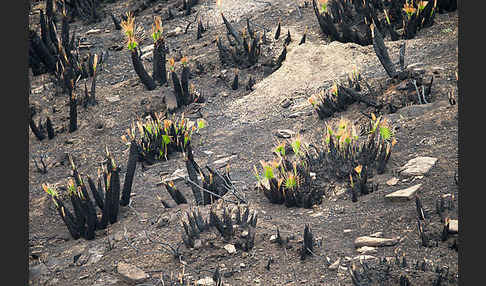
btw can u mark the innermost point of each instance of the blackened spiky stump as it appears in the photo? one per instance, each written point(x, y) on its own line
point(244, 50)
point(400, 271)
point(84, 221)
point(239, 231)
point(301, 195)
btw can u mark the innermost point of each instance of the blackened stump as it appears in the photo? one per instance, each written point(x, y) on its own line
point(131, 166)
point(145, 78)
point(159, 72)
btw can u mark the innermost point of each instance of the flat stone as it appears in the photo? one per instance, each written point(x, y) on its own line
point(113, 99)
point(418, 166)
point(374, 241)
point(207, 281)
point(230, 248)
point(403, 195)
point(131, 272)
point(347, 230)
point(453, 226)
point(367, 250)
point(392, 182)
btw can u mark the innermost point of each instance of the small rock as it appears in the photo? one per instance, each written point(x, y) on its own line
point(297, 114)
point(131, 272)
point(374, 241)
point(207, 281)
point(312, 175)
point(208, 152)
point(242, 265)
point(230, 248)
point(335, 265)
point(221, 162)
point(38, 89)
point(284, 133)
point(93, 31)
point(364, 257)
point(347, 230)
point(367, 250)
point(392, 182)
point(177, 31)
point(403, 195)
point(163, 221)
point(453, 226)
point(316, 214)
point(113, 99)
point(197, 244)
point(418, 166)
point(285, 103)
point(273, 238)
point(244, 234)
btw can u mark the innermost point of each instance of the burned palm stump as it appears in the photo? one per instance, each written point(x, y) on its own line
point(307, 243)
point(83, 220)
point(200, 29)
point(288, 181)
point(397, 271)
point(236, 224)
point(145, 78)
point(342, 22)
point(37, 130)
point(158, 137)
point(244, 50)
point(344, 155)
point(131, 166)
point(159, 72)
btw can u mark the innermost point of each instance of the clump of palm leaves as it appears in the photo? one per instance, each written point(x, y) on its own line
point(244, 47)
point(158, 136)
point(287, 179)
point(83, 220)
point(346, 154)
point(236, 223)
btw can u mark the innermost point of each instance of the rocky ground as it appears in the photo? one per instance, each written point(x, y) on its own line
point(242, 130)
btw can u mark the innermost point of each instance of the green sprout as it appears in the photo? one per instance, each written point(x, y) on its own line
point(280, 149)
point(157, 29)
point(296, 146)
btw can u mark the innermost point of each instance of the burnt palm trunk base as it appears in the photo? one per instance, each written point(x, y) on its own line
point(145, 78)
